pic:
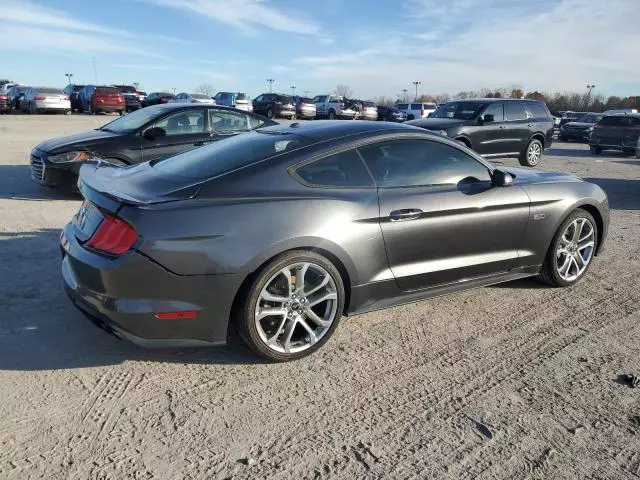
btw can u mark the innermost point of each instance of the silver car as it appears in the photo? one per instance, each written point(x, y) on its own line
point(45, 99)
point(185, 97)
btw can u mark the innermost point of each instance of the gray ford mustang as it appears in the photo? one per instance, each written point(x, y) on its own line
point(281, 231)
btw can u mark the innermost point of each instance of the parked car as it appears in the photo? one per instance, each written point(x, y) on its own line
point(616, 132)
point(638, 148)
point(571, 117)
point(101, 98)
point(131, 98)
point(416, 110)
point(45, 99)
point(274, 105)
point(333, 107)
point(238, 100)
point(73, 91)
point(156, 98)
point(142, 96)
point(392, 214)
point(580, 129)
point(151, 133)
point(5, 103)
point(184, 97)
point(391, 114)
point(305, 108)
point(6, 86)
point(368, 111)
point(15, 95)
point(496, 127)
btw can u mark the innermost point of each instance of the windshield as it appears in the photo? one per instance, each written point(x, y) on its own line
point(109, 90)
point(458, 110)
point(589, 119)
point(133, 121)
point(229, 154)
point(200, 96)
point(49, 90)
point(126, 89)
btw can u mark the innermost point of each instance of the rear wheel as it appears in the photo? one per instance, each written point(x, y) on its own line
point(571, 250)
point(532, 154)
point(332, 115)
point(411, 117)
point(595, 150)
point(292, 307)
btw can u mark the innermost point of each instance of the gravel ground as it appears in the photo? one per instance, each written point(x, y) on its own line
point(512, 381)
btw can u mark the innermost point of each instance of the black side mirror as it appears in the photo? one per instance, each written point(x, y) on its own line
point(488, 118)
point(501, 179)
point(154, 132)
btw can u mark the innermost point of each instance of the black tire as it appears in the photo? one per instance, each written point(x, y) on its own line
point(332, 114)
point(411, 117)
point(120, 112)
point(526, 158)
point(595, 150)
point(629, 152)
point(269, 113)
point(244, 314)
point(549, 272)
point(563, 138)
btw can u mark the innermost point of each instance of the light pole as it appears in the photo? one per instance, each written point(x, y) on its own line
point(293, 89)
point(589, 88)
point(416, 84)
point(68, 75)
point(270, 81)
point(404, 94)
point(306, 93)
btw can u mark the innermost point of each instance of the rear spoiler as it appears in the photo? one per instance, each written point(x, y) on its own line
point(94, 185)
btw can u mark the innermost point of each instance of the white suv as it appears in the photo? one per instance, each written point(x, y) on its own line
point(416, 110)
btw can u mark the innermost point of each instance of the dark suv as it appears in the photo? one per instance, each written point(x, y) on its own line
point(616, 132)
point(274, 105)
point(495, 127)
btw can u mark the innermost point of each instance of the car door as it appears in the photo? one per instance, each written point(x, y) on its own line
point(441, 218)
point(491, 137)
point(321, 105)
point(258, 104)
point(517, 128)
point(183, 130)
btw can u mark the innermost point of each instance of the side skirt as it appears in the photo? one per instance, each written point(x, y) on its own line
point(379, 295)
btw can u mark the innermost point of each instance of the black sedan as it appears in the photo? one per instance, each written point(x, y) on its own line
point(152, 133)
point(391, 114)
point(281, 231)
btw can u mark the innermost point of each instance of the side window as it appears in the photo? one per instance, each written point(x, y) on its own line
point(537, 110)
point(409, 163)
point(254, 122)
point(633, 121)
point(343, 169)
point(514, 111)
point(495, 109)
point(221, 121)
point(183, 122)
point(259, 98)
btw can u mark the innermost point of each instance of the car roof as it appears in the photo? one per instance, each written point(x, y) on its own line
point(620, 114)
point(487, 100)
point(176, 106)
point(328, 129)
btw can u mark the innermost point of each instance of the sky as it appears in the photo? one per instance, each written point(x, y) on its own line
point(376, 47)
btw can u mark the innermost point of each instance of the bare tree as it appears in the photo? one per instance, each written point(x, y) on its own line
point(517, 93)
point(206, 89)
point(343, 90)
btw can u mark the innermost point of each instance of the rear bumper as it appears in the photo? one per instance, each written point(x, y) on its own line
point(614, 143)
point(61, 106)
point(123, 294)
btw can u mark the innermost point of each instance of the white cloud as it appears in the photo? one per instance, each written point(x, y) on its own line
point(564, 45)
point(279, 69)
point(245, 15)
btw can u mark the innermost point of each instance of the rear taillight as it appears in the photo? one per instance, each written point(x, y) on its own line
point(40, 98)
point(113, 236)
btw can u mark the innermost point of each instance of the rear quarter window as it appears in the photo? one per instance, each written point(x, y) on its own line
point(341, 170)
point(537, 110)
point(402, 106)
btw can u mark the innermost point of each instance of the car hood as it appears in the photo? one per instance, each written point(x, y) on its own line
point(76, 140)
point(438, 123)
point(532, 176)
point(578, 124)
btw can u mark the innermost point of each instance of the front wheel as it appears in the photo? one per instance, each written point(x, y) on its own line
point(595, 150)
point(571, 250)
point(332, 115)
point(532, 154)
point(270, 113)
point(292, 307)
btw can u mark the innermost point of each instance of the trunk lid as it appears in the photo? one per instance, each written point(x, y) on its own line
point(111, 186)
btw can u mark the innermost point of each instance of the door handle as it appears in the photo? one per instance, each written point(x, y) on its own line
point(405, 214)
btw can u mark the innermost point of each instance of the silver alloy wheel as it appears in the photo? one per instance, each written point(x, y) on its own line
point(296, 307)
point(575, 249)
point(534, 153)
